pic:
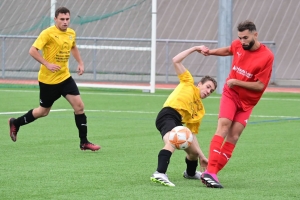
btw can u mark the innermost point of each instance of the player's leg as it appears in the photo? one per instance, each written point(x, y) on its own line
point(164, 156)
point(191, 161)
point(48, 94)
point(239, 123)
point(71, 93)
point(227, 111)
point(166, 120)
point(228, 108)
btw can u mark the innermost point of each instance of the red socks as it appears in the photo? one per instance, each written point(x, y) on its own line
point(219, 154)
point(214, 152)
point(225, 155)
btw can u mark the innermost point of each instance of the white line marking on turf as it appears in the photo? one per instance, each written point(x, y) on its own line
point(23, 112)
point(144, 95)
point(140, 112)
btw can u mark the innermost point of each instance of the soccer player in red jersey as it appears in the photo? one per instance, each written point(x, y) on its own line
point(249, 76)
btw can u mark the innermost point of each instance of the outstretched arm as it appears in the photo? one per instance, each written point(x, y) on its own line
point(203, 161)
point(177, 60)
point(223, 51)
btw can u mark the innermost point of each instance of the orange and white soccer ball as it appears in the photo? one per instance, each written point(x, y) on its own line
point(181, 137)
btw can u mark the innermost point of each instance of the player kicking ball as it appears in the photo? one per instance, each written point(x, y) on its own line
point(183, 106)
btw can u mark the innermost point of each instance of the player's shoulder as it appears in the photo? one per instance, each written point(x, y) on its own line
point(236, 42)
point(235, 46)
point(267, 51)
point(71, 31)
point(186, 77)
point(50, 29)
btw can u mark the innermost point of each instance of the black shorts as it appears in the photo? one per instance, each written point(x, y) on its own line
point(50, 93)
point(167, 119)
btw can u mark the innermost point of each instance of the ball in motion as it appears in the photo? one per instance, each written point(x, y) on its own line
point(181, 137)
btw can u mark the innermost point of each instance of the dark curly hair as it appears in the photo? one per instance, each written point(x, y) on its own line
point(246, 25)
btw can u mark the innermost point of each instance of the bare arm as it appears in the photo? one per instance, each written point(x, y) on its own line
point(202, 159)
point(76, 55)
point(256, 86)
point(34, 52)
point(223, 51)
point(177, 60)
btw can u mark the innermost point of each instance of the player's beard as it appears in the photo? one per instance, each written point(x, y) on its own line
point(249, 46)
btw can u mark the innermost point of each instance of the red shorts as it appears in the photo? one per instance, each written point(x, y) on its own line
point(231, 107)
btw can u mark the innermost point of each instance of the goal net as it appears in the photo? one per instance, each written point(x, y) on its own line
point(116, 39)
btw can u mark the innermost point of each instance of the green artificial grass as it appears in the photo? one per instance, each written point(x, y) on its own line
point(46, 162)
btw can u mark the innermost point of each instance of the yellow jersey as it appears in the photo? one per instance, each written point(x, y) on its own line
point(186, 100)
point(56, 46)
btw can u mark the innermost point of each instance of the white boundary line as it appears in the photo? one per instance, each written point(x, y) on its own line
point(140, 95)
point(141, 112)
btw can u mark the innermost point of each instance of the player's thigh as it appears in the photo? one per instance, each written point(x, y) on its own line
point(166, 120)
point(48, 94)
point(75, 101)
point(70, 91)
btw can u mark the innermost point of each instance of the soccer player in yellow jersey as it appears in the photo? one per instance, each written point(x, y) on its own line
point(56, 43)
point(183, 106)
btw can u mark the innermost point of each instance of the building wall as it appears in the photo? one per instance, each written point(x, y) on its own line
point(276, 20)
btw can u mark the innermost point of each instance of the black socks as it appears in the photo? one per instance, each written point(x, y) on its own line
point(163, 160)
point(191, 166)
point(81, 124)
point(25, 119)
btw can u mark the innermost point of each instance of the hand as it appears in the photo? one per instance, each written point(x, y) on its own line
point(80, 69)
point(203, 164)
point(231, 82)
point(52, 67)
point(203, 50)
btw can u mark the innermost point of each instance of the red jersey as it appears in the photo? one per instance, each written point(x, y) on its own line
point(250, 66)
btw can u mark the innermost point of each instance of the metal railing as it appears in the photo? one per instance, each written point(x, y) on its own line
point(95, 40)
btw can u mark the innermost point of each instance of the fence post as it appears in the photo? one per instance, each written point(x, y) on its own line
point(167, 61)
point(273, 75)
point(94, 61)
point(3, 57)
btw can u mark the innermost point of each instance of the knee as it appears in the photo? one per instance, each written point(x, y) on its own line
point(192, 156)
point(44, 114)
point(233, 138)
point(40, 112)
point(223, 131)
point(79, 108)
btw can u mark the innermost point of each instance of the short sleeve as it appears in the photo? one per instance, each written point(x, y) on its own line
point(41, 41)
point(186, 77)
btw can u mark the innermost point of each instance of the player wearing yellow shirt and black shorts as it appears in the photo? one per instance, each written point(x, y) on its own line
point(183, 106)
point(57, 43)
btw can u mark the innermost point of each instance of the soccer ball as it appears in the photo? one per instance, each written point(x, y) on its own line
point(181, 137)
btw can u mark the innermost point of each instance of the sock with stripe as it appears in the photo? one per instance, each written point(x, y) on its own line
point(225, 155)
point(81, 124)
point(24, 119)
point(214, 152)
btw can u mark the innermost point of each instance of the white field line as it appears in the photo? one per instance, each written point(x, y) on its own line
point(141, 95)
point(142, 112)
